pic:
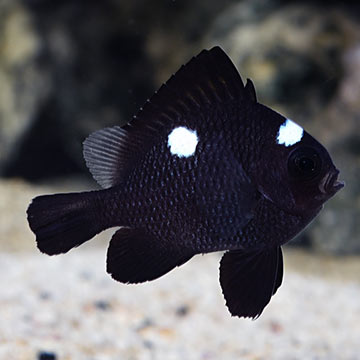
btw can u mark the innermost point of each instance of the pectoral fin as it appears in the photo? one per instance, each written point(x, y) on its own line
point(135, 256)
point(250, 279)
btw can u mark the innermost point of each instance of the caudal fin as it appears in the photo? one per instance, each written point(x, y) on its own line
point(63, 221)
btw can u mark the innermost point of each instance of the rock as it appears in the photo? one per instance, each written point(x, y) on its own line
point(102, 305)
point(98, 71)
point(338, 229)
point(182, 310)
point(94, 65)
point(293, 53)
point(304, 60)
point(23, 83)
point(45, 355)
point(103, 60)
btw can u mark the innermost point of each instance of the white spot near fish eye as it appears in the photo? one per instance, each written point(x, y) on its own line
point(289, 133)
point(182, 141)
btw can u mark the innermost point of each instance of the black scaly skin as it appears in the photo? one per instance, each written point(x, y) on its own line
point(161, 195)
point(241, 191)
point(171, 198)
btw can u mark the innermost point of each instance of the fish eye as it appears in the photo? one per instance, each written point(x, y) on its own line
point(304, 163)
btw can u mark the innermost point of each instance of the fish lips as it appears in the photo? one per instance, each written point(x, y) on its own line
point(329, 184)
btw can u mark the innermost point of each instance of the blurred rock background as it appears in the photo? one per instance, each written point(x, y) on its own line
point(68, 68)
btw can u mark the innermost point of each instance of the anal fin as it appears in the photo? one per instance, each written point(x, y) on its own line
point(250, 279)
point(135, 256)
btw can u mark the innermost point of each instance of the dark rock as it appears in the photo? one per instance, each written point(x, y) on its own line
point(148, 344)
point(45, 295)
point(144, 324)
point(44, 355)
point(292, 53)
point(77, 67)
point(102, 305)
point(182, 310)
point(337, 230)
point(24, 85)
point(102, 61)
point(98, 72)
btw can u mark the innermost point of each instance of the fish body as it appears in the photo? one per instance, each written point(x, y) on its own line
point(203, 167)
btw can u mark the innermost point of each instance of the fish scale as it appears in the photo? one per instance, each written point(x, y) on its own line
point(202, 167)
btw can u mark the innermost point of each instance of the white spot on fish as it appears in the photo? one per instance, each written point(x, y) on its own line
point(289, 133)
point(182, 141)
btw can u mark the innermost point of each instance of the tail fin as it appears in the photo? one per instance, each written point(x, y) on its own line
point(63, 221)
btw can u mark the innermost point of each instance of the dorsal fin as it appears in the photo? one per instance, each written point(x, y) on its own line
point(250, 90)
point(206, 80)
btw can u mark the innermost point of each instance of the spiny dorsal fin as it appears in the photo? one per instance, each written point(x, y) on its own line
point(250, 90)
point(206, 80)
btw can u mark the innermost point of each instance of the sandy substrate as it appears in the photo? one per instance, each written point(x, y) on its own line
point(70, 306)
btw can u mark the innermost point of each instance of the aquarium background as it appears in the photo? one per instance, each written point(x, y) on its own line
point(68, 68)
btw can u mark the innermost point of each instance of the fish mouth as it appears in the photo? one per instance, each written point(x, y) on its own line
point(330, 184)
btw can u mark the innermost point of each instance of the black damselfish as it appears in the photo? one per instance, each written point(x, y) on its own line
point(203, 167)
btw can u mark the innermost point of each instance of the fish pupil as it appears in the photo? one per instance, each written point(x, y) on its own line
point(304, 163)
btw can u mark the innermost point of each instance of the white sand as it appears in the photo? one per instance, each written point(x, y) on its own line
point(49, 303)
